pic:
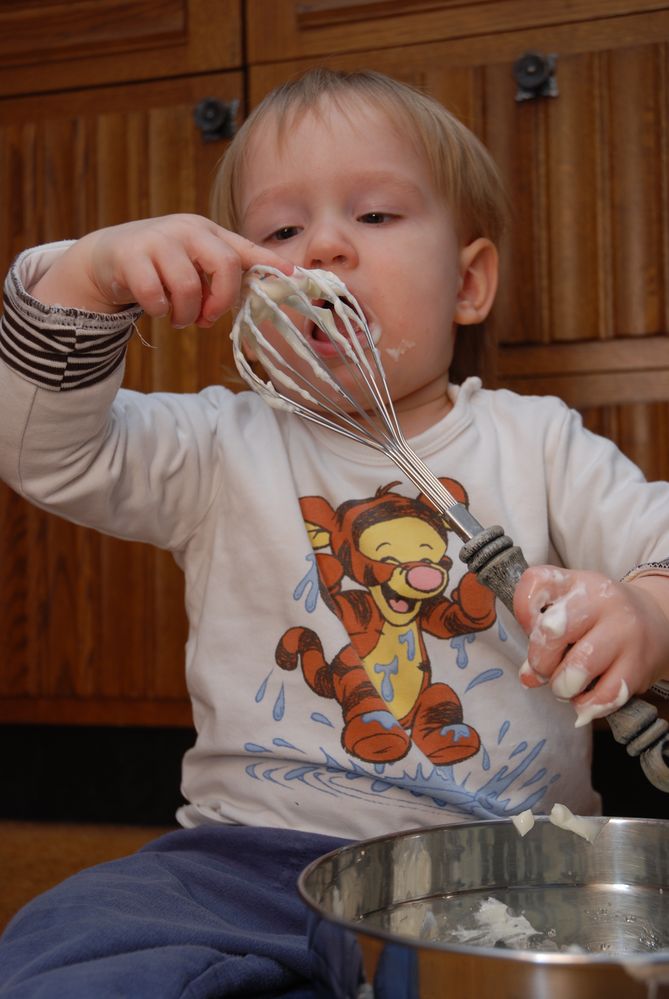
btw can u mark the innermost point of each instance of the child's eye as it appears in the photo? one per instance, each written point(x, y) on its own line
point(376, 218)
point(285, 232)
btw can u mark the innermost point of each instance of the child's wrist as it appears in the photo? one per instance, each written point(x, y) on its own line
point(68, 283)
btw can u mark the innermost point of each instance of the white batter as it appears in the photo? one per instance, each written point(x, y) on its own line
point(561, 816)
point(267, 289)
point(523, 822)
point(588, 828)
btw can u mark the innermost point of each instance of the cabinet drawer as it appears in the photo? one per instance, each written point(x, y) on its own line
point(294, 29)
point(46, 45)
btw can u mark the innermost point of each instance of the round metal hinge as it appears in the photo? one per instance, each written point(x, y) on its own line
point(535, 75)
point(216, 119)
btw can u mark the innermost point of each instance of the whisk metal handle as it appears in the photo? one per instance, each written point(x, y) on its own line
point(643, 734)
point(499, 564)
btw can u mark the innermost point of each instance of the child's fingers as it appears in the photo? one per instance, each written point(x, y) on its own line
point(584, 662)
point(223, 257)
point(170, 283)
point(595, 641)
point(181, 278)
point(592, 673)
point(251, 254)
point(219, 267)
point(538, 587)
point(609, 693)
point(202, 272)
point(557, 628)
point(185, 262)
point(553, 605)
point(141, 285)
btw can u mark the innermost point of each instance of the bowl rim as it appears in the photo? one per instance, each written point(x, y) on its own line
point(660, 957)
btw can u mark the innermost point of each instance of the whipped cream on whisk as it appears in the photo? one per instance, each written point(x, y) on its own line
point(266, 292)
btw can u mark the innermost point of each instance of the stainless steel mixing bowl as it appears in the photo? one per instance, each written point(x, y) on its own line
point(416, 914)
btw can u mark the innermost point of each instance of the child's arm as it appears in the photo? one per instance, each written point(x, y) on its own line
point(182, 265)
point(139, 466)
point(596, 641)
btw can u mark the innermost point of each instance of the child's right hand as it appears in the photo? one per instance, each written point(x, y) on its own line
point(185, 266)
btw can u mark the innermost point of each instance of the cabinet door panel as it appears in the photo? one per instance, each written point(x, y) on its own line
point(293, 29)
point(93, 628)
point(46, 45)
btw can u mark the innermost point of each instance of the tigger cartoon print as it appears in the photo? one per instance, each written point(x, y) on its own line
point(395, 548)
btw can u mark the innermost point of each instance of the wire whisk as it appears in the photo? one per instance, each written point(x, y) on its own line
point(363, 412)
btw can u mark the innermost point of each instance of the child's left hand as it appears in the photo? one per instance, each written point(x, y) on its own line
point(597, 642)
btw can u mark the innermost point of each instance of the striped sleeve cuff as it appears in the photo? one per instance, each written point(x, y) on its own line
point(53, 347)
point(660, 568)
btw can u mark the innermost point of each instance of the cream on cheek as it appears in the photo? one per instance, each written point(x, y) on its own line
point(395, 353)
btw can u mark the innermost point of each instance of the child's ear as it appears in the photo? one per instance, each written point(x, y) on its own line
point(479, 266)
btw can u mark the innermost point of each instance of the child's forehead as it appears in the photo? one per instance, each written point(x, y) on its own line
point(360, 141)
point(356, 115)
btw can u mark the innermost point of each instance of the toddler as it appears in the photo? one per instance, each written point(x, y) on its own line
point(349, 676)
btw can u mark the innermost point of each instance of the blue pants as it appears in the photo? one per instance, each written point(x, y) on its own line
point(197, 914)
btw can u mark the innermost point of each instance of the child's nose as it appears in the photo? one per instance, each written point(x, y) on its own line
point(328, 246)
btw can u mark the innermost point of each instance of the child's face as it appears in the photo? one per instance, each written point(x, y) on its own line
point(346, 193)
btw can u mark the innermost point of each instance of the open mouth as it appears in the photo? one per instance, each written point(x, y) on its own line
point(328, 335)
point(398, 604)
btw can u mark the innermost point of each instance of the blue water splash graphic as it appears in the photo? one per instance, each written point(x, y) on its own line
point(485, 758)
point(539, 775)
point(384, 718)
point(308, 585)
point(321, 719)
point(501, 632)
point(458, 643)
point(262, 689)
point(284, 744)
point(279, 705)
point(380, 786)
point(520, 748)
point(298, 773)
point(484, 677)
point(503, 729)
point(389, 670)
point(459, 731)
point(409, 639)
point(253, 747)
point(438, 788)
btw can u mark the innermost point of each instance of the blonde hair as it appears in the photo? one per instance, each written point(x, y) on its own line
point(463, 171)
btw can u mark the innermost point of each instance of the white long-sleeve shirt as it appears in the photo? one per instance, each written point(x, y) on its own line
point(344, 678)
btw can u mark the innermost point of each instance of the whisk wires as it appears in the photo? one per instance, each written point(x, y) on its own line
point(364, 413)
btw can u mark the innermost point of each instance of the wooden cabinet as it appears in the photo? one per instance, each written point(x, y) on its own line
point(47, 45)
point(92, 629)
point(302, 29)
point(583, 306)
point(96, 127)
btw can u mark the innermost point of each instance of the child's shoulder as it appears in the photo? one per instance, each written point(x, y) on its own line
point(514, 405)
point(244, 405)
